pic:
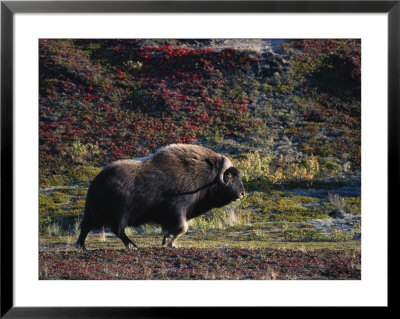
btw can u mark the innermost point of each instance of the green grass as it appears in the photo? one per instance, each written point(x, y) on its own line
point(352, 204)
point(279, 206)
point(272, 219)
point(311, 235)
point(95, 241)
point(59, 197)
point(47, 206)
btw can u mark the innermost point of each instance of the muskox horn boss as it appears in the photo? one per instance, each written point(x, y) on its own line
point(226, 163)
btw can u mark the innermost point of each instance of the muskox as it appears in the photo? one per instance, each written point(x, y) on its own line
point(169, 187)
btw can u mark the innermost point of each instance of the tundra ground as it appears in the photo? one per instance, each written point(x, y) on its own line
point(263, 250)
point(296, 234)
point(157, 263)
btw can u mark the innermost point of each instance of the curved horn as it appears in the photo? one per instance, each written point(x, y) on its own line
point(226, 163)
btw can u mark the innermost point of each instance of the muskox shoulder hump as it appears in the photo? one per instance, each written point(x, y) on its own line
point(187, 151)
point(133, 161)
point(125, 167)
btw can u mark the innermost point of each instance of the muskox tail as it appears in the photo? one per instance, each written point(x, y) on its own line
point(87, 219)
point(80, 243)
point(86, 226)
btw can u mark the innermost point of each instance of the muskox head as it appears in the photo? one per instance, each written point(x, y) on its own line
point(230, 181)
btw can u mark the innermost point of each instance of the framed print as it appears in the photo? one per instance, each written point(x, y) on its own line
point(158, 155)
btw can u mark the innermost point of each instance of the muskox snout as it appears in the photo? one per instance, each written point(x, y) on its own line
point(240, 195)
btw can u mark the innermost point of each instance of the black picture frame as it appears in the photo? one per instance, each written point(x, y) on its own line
point(9, 8)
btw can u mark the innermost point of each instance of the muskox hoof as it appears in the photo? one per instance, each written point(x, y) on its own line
point(166, 239)
point(131, 246)
point(174, 245)
point(80, 247)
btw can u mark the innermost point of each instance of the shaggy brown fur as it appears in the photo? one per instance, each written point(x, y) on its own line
point(175, 184)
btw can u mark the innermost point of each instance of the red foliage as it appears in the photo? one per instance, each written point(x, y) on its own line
point(91, 92)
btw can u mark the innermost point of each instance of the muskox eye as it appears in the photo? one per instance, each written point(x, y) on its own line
point(227, 177)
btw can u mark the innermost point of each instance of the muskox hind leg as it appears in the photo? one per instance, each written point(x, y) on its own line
point(129, 244)
point(172, 236)
point(80, 243)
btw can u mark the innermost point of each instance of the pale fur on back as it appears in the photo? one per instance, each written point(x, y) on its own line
point(190, 166)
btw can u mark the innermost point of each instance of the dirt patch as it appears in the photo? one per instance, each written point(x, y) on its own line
point(200, 264)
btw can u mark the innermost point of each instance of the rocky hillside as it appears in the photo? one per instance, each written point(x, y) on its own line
point(294, 104)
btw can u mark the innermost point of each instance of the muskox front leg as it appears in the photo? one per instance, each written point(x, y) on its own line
point(166, 238)
point(172, 236)
point(129, 244)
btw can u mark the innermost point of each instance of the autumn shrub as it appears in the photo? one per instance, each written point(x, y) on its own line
point(43, 223)
point(81, 152)
point(262, 171)
point(47, 206)
point(59, 197)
